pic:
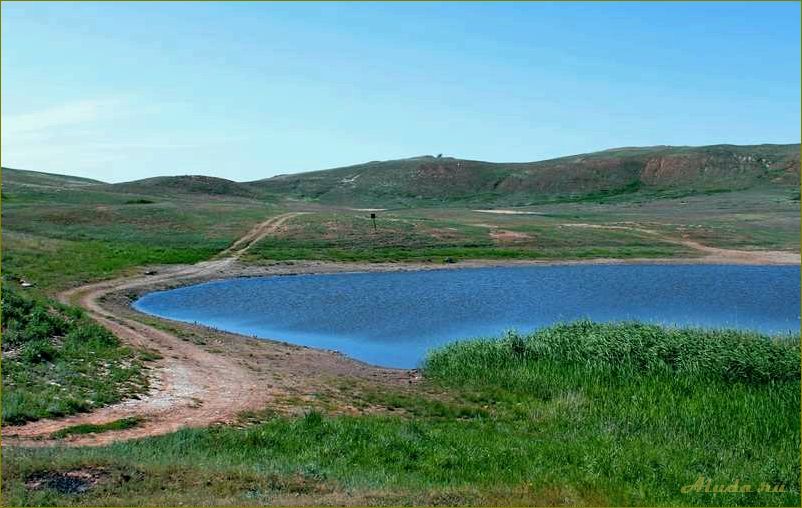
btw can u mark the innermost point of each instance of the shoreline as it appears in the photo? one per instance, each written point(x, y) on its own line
point(238, 269)
point(127, 301)
point(206, 376)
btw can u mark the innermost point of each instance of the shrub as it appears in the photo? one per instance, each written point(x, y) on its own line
point(90, 335)
point(38, 351)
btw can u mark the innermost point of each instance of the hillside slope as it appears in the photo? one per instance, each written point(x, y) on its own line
point(188, 184)
point(616, 174)
point(587, 176)
point(24, 177)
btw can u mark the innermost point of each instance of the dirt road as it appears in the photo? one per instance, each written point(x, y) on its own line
point(192, 386)
point(257, 233)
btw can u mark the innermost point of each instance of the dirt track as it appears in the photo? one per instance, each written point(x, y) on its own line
point(195, 386)
point(254, 235)
point(711, 255)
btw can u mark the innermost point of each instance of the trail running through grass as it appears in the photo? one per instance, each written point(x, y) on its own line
point(193, 388)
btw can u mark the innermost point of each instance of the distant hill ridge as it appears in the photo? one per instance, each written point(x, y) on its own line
point(605, 173)
point(428, 179)
point(40, 178)
point(189, 184)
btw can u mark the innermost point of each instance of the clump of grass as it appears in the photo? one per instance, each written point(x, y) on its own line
point(630, 349)
point(418, 405)
point(56, 361)
point(91, 428)
point(140, 201)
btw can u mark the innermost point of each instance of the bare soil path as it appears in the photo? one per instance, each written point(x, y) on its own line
point(193, 387)
point(261, 230)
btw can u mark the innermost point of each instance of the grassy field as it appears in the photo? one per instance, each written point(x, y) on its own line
point(751, 219)
point(623, 230)
point(58, 236)
point(62, 231)
point(575, 414)
point(57, 362)
point(61, 244)
point(421, 235)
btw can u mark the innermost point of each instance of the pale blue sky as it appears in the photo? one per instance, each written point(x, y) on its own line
point(119, 91)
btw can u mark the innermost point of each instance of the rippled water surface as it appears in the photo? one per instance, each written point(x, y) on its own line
point(393, 318)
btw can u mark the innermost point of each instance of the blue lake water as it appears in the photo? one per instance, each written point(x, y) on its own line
point(394, 318)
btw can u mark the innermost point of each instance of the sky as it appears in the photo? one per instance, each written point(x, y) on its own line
point(120, 91)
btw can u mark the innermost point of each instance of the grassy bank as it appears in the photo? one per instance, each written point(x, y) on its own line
point(56, 361)
point(575, 414)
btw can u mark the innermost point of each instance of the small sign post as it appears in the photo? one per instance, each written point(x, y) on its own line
point(373, 218)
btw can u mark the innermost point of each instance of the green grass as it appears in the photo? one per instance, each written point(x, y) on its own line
point(57, 362)
point(749, 220)
point(60, 232)
point(631, 349)
point(584, 413)
point(91, 428)
point(424, 235)
point(58, 237)
point(55, 264)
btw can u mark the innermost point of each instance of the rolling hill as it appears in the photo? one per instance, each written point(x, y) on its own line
point(616, 174)
point(189, 184)
point(588, 176)
point(24, 177)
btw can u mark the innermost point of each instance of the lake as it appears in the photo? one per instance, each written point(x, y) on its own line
point(393, 318)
